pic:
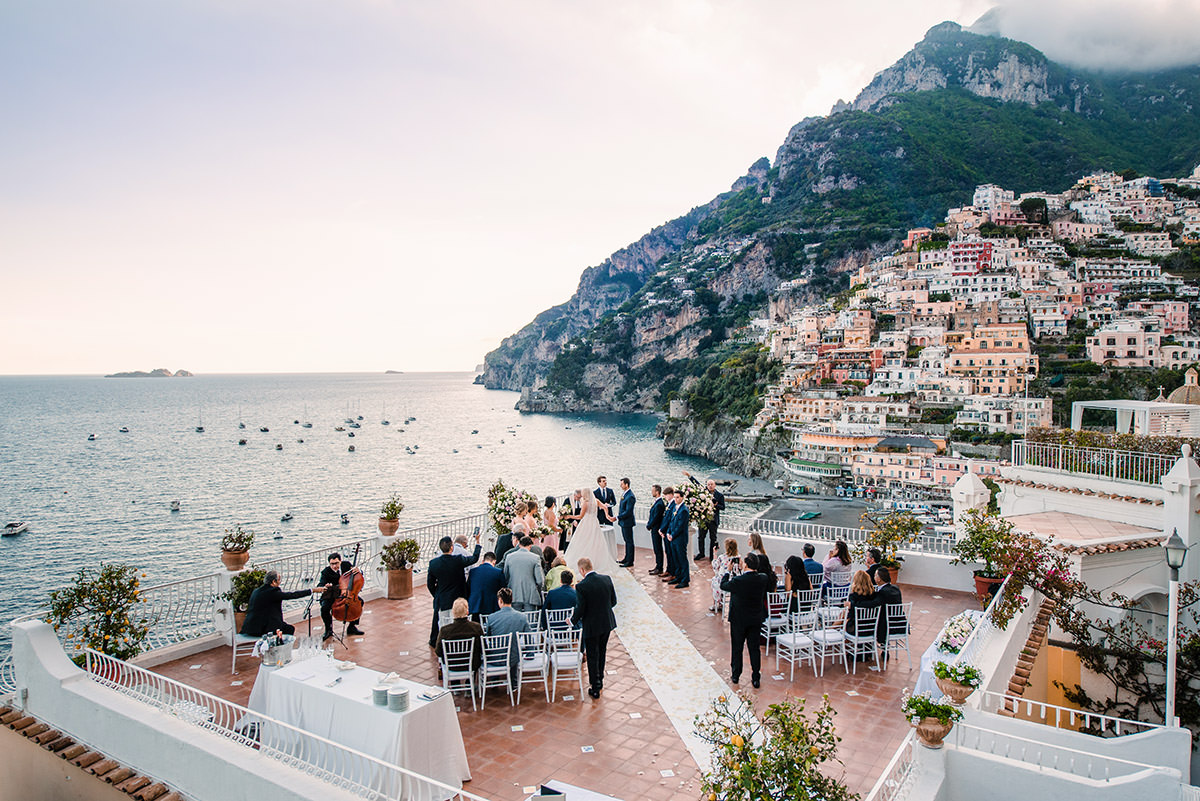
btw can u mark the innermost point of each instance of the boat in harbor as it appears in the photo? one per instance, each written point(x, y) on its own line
point(346, 517)
point(286, 517)
point(123, 430)
point(14, 528)
point(174, 506)
point(91, 437)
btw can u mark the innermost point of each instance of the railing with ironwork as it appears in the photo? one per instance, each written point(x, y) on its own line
point(180, 610)
point(310, 754)
point(1064, 717)
point(797, 530)
point(427, 536)
point(896, 780)
point(983, 632)
point(1048, 756)
point(1117, 465)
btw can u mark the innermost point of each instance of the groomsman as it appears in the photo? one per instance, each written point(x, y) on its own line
point(665, 528)
point(606, 500)
point(625, 521)
point(654, 525)
point(678, 535)
point(703, 551)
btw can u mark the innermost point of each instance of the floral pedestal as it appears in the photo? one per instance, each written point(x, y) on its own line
point(931, 732)
point(387, 527)
point(234, 560)
point(957, 693)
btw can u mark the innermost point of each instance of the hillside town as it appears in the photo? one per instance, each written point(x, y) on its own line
point(943, 335)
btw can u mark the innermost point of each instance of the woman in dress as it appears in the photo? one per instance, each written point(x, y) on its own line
point(839, 558)
point(588, 540)
point(516, 530)
point(861, 597)
point(530, 518)
point(754, 544)
point(550, 518)
point(723, 564)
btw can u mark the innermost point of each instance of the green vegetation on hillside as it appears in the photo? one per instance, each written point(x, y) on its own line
point(734, 387)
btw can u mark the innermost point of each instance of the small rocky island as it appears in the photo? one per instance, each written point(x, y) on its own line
point(160, 372)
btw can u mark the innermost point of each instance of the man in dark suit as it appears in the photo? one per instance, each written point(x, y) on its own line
point(264, 614)
point(706, 551)
point(885, 593)
point(329, 582)
point(665, 529)
point(564, 596)
point(625, 521)
point(747, 605)
point(594, 610)
point(654, 526)
point(483, 582)
point(446, 581)
point(606, 499)
point(677, 535)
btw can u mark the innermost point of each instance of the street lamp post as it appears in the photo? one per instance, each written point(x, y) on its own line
point(1175, 551)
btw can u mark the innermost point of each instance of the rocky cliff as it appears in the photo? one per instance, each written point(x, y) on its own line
point(725, 442)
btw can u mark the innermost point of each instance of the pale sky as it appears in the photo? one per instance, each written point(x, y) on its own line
point(323, 185)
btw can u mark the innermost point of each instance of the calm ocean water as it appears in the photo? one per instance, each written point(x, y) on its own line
point(109, 500)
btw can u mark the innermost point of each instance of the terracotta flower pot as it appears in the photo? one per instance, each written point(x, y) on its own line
point(399, 585)
point(239, 618)
point(957, 693)
point(982, 583)
point(388, 528)
point(235, 560)
point(931, 732)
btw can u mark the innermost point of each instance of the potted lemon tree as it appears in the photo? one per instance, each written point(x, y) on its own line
point(389, 522)
point(398, 559)
point(986, 538)
point(235, 548)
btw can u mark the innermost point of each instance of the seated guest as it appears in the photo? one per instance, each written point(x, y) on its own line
point(562, 596)
point(264, 614)
point(506, 620)
point(838, 561)
point(886, 593)
point(754, 545)
point(554, 564)
point(482, 585)
point(862, 596)
point(873, 558)
point(812, 565)
point(795, 575)
point(461, 628)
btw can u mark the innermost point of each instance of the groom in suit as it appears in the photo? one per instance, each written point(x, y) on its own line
point(654, 525)
point(606, 499)
point(665, 528)
point(596, 598)
point(678, 536)
point(625, 521)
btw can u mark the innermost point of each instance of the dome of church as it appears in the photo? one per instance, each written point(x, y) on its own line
point(1189, 392)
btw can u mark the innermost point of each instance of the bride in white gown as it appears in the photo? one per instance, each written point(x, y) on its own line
point(588, 540)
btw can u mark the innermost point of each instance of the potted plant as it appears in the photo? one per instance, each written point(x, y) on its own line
point(932, 720)
point(235, 548)
point(985, 538)
point(388, 522)
point(957, 681)
point(239, 591)
point(398, 559)
point(889, 534)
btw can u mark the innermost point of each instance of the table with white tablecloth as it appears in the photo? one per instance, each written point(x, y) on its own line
point(926, 681)
point(425, 739)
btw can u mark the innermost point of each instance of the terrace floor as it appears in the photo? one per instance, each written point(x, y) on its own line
point(630, 754)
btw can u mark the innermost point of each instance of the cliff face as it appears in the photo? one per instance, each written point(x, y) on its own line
point(960, 109)
point(725, 443)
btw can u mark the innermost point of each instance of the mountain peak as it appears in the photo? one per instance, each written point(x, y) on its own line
point(950, 57)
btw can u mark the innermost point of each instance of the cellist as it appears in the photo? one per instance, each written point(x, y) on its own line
point(329, 583)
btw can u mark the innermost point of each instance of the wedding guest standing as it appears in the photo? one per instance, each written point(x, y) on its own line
point(754, 545)
point(722, 565)
point(747, 608)
point(654, 526)
point(446, 581)
point(625, 521)
point(668, 548)
point(482, 585)
point(594, 612)
point(524, 576)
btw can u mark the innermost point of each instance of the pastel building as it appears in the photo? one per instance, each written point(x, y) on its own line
point(1129, 342)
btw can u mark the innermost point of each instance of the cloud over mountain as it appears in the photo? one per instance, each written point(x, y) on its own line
point(1108, 35)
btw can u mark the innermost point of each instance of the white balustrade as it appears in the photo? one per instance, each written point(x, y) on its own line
point(1049, 756)
point(1064, 717)
point(314, 756)
point(816, 532)
point(1110, 463)
point(896, 780)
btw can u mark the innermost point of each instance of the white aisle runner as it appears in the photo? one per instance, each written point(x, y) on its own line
point(679, 675)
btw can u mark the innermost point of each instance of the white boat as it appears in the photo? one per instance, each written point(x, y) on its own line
point(174, 506)
point(14, 528)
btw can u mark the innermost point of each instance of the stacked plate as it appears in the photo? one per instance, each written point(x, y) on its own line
point(397, 699)
point(380, 695)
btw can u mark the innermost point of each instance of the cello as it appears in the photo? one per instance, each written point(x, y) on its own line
point(349, 606)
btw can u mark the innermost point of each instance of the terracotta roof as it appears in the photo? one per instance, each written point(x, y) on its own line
point(1112, 547)
point(88, 761)
point(1079, 491)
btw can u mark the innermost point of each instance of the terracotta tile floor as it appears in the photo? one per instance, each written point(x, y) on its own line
point(629, 753)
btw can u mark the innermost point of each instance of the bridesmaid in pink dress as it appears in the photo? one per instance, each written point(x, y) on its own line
point(550, 518)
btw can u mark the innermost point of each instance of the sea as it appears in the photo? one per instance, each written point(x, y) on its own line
point(109, 499)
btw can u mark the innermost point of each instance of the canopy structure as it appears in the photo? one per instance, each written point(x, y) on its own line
point(1144, 417)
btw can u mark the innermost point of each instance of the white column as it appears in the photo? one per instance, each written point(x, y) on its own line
point(1181, 500)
